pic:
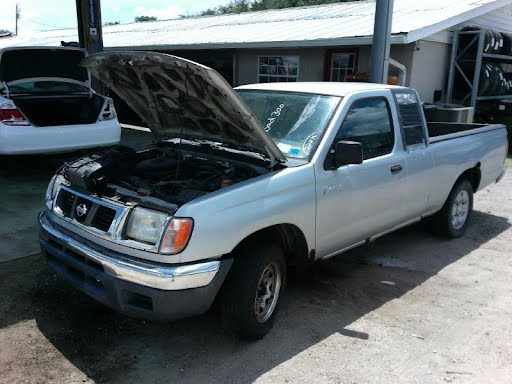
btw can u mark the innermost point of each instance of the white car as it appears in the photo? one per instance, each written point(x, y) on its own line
point(47, 104)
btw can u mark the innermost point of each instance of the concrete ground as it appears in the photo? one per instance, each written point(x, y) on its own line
point(410, 308)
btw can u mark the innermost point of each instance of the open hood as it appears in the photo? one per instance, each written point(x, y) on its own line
point(180, 98)
point(42, 62)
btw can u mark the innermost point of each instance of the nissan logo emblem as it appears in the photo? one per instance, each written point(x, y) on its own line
point(81, 210)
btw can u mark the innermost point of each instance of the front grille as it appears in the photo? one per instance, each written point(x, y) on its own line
point(65, 202)
point(103, 218)
point(84, 210)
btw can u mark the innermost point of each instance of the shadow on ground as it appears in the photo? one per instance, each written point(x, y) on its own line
point(109, 347)
point(23, 181)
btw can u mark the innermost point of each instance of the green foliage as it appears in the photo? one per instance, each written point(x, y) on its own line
point(139, 19)
point(239, 6)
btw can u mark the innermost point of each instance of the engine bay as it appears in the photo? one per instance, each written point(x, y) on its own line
point(170, 173)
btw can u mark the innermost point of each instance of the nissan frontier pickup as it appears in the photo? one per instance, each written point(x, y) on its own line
point(241, 184)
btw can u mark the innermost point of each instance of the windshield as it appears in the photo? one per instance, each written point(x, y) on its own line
point(46, 86)
point(294, 121)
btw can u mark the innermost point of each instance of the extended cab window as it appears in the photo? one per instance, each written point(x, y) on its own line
point(410, 118)
point(368, 122)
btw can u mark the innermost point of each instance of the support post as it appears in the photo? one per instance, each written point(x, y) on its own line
point(381, 41)
point(90, 32)
point(18, 13)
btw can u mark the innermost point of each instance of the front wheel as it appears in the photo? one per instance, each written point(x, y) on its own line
point(253, 290)
point(453, 218)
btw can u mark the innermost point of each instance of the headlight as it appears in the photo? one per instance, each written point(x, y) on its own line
point(176, 235)
point(53, 187)
point(145, 225)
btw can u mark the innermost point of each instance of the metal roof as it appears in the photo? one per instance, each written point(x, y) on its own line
point(320, 88)
point(349, 23)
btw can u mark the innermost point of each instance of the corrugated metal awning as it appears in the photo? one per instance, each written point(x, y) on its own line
point(349, 23)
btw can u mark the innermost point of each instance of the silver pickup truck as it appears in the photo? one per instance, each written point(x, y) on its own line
point(240, 184)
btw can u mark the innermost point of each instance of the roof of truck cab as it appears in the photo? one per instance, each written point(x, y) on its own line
point(319, 88)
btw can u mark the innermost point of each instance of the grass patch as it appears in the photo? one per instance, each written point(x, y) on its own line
point(508, 161)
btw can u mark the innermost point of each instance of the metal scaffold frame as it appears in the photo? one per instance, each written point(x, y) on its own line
point(471, 77)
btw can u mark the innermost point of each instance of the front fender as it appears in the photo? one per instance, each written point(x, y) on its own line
point(224, 218)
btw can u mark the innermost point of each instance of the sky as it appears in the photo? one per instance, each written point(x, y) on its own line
point(39, 15)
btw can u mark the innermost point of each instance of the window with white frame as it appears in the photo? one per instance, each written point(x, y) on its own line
point(343, 63)
point(272, 69)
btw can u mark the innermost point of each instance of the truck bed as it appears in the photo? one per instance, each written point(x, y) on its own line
point(445, 131)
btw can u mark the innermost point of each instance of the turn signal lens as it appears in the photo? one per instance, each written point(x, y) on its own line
point(176, 235)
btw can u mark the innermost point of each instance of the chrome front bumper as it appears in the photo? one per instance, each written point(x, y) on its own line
point(153, 275)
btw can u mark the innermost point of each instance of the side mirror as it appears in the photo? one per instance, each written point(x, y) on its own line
point(347, 152)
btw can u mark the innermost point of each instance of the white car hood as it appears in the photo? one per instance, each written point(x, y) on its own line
point(180, 98)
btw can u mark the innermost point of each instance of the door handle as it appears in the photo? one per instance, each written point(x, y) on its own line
point(396, 169)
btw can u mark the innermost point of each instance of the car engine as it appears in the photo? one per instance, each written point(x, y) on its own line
point(163, 172)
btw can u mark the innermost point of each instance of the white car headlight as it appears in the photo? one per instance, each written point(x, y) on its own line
point(146, 225)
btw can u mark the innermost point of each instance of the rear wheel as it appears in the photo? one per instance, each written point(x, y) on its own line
point(453, 218)
point(253, 290)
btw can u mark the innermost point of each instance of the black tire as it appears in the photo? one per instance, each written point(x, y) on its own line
point(485, 80)
point(507, 44)
point(443, 222)
point(498, 42)
point(243, 285)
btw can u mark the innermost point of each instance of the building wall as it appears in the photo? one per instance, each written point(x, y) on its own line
point(401, 53)
point(311, 63)
point(430, 61)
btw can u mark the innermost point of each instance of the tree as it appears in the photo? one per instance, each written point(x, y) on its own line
point(111, 23)
point(239, 6)
point(139, 19)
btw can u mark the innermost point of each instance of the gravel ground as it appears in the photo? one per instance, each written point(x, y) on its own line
point(409, 308)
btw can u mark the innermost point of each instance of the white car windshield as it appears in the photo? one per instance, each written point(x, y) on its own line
point(295, 121)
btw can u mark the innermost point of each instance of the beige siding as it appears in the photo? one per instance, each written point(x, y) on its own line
point(401, 53)
point(311, 63)
point(426, 64)
point(429, 73)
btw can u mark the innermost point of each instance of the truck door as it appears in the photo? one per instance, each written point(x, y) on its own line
point(357, 201)
point(419, 161)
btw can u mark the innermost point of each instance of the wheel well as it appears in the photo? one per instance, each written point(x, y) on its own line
point(474, 176)
point(288, 236)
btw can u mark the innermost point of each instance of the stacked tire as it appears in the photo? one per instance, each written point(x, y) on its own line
point(498, 43)
point(494, 81)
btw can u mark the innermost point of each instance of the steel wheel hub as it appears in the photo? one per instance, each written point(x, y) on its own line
point(267, 292)
point(460, 209)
